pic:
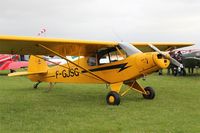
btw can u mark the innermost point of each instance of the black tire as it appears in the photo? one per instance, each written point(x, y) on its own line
point(12, 71)
point(150, 93)
point(113, 98)
point(35, 86)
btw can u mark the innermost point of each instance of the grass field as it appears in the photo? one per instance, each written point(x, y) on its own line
point(82, 108)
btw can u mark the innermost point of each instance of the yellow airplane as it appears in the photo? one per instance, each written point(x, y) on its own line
point(98, 62)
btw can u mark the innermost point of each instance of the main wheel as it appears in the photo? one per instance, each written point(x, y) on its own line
point(113, 98)
point(150, 93)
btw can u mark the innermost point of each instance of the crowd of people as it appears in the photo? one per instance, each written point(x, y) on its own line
point(173, 69)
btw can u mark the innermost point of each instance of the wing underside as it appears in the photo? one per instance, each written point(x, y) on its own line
point(32, 46)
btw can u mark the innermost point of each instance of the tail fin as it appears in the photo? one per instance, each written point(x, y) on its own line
point(37, 64)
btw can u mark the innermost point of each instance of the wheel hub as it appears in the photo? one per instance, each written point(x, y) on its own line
point(111, 99)
point(147, 92)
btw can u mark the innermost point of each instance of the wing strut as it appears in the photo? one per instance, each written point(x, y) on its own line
point(40, 45)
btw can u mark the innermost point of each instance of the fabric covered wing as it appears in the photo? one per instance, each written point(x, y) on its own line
point(163, 46)
point(29, 46)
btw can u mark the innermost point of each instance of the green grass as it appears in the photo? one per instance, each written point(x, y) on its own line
point(82, 108)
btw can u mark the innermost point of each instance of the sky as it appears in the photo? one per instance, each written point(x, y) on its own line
point(104, 20)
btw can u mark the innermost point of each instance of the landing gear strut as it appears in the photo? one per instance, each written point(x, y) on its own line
point(51, 85)
point(113, 97)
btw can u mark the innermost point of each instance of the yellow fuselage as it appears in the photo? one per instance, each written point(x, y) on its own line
point(132, 67)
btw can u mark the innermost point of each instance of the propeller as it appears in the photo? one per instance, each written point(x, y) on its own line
point(172, 60)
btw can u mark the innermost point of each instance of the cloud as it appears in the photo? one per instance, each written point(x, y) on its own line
point(132, 20)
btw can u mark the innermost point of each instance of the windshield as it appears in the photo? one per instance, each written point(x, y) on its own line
point(129, 48)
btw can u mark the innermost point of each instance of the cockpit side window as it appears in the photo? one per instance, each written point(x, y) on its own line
point(105, 59)
point(107, 55)
point(110, 55)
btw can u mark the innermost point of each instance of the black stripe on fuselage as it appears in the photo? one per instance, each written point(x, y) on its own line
point(121, 66)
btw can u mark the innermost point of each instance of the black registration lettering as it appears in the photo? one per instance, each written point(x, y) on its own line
point(68, 73)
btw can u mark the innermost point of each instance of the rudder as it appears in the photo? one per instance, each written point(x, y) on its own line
point(37, 64)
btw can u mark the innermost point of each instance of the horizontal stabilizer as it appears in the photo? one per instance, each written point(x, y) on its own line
point(26, 73)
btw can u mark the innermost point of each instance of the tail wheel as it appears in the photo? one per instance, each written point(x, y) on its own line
point(113, 98)
point(12, 71)
point(150, 93)
point(35, 86)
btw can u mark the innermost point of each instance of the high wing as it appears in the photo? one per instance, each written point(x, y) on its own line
point(29, 46)
point(24, 45)
point(163, 46)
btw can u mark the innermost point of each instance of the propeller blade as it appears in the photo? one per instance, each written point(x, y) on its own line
point(175, 62)
point(172, 60)
point(156, 49)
